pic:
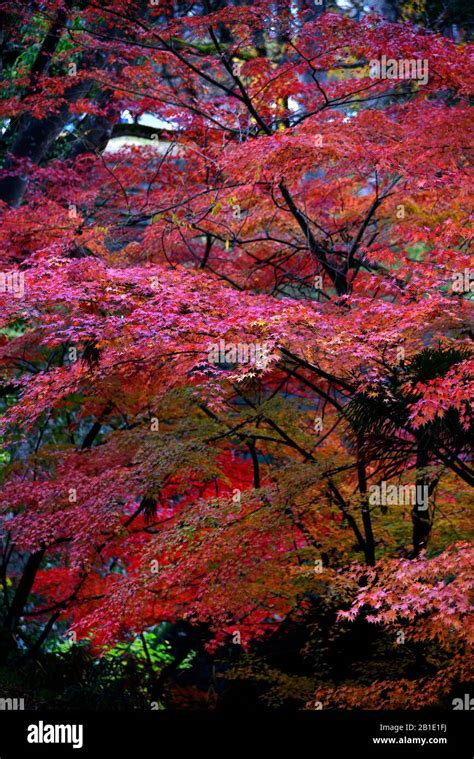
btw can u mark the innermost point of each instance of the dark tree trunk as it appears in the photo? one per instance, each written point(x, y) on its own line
point(15, 611)
point(34, 138)
point(421, 513)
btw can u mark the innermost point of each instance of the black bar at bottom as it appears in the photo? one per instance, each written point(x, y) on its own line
point(424, 734)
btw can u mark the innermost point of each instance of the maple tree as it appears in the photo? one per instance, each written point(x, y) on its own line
point(218, 338)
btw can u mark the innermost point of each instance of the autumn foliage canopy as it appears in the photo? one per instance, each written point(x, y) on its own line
point(235, 308)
